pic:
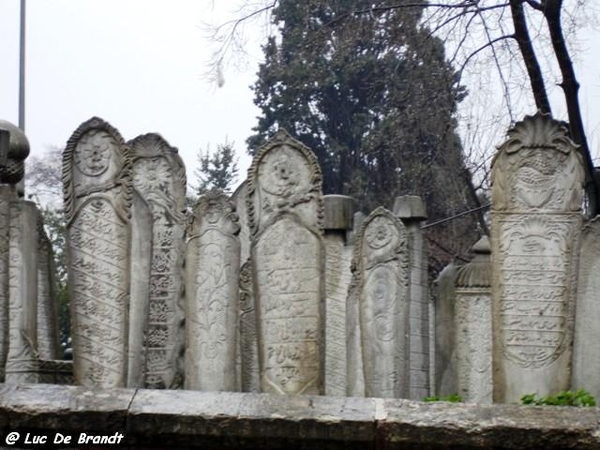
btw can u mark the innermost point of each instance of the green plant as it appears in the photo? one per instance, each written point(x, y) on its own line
point(563, 398)
point(453, 398)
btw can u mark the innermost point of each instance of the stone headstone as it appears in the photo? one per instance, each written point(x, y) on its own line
point(537, 179)
point(212, 274)
point(139, 304)
point(97, 194)
point(444, 294)
point(411, 210)
point(339, 211)
point(47, 315)
point(381, 270)
point(7, 194)
point(22, 361)
point(285, 212)
point(159, 176)
point(474, 326)
point(586, 348)
point(249, 367)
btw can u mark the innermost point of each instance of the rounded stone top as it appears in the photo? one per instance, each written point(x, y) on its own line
point(18, 147)
point(482, 246)
point(410, 207)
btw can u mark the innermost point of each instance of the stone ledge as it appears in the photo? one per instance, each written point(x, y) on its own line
point(210, 420)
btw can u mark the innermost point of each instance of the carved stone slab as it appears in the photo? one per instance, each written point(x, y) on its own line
point(537, 179)
point(212, 274)
point(7, 193)
point(47, 318)
point(249, 368)
point(381, 268)
point(444, 293)
point(159, 176)
point(285, 212)
point(474, 327)
point(97, 194)
point(22, 361)
point(338, 277)
point(586, 347)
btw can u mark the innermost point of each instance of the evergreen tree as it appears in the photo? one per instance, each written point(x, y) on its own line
point(216, 171)
point(374, 97)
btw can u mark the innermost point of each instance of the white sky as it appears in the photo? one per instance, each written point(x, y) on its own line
point(139, 64)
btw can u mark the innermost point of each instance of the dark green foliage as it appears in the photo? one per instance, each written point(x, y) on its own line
point(373, 96)
point(563, 398)
point(452, 398)
point(216, 171)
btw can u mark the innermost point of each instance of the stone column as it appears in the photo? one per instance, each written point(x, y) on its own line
point(474, 326)
point(159, 176)
point(212, 289)
point(7, 193)
point(339, 211)
point(444, 335)
point(22, 362)
point(411, 210)
point(586, 343)
point(285, 212)
point(537, 192)
point(97, 193)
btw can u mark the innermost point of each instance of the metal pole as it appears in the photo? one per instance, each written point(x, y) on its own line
point(22, 70)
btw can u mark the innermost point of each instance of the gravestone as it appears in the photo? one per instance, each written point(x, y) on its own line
point(248, 348)
point(444, 294)
point(411, 210)
point(381, 274)
point(586, 343)
point(97, 195)
point(474, 326)
point(159, 176)
point(22, 362)
point(339, 211)
point(47, 315)
point(212, 289)
point(537, 179)
point(285, 212)
point(7, 194)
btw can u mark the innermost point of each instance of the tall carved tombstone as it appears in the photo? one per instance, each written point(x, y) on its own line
point(586, 343)
point(47, 318)
point(212, 274)
point(444, 295)
point(159, 176)
point(411, 210)
point(474, 326)
point(97, 194)
point(285, 212)
point(382, 275)
point(339, 211)
point(537, 179)
point(22, 362)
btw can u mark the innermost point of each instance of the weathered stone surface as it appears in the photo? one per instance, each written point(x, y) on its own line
point(22, 360)
point(159, 176)
point(381, 272)
point(474, 326)
point(212, 274)
point(47, 308)
point(586, 351)
point(141, 257)
point(249, 367)
point(97, 194)
point(12, 167)
point(444, 294)
point(7, 194)
point(285, 211)
point(339, 212)
point(220, 420)
point(338, 277)
point(238, 198)
point(411, 210)
point(537, 178)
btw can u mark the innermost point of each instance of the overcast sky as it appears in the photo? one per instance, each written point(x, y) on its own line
point(139, 64)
